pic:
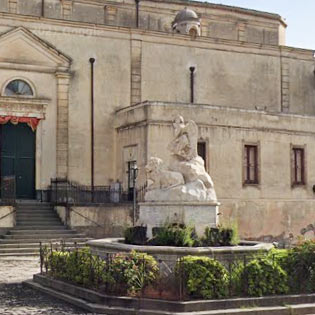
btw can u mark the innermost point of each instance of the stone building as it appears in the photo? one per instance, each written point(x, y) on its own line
point(227, 68)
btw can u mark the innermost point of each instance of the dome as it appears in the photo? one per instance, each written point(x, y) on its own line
point(186, 15)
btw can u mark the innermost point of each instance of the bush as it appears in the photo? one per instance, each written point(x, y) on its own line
point(300, 266)
point(261, 276)
point(136, 235)
point(174, 235)
point(130, 273)
point(217, 237)
point(79, 267)
point(203, 277)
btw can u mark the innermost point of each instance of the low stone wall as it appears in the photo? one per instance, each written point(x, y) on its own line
point(98, 221)
point(7, 219)
point(99, 303)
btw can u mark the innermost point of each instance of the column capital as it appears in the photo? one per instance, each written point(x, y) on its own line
point(63, 75)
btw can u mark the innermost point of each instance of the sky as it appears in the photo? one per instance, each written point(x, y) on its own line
point(298, 14)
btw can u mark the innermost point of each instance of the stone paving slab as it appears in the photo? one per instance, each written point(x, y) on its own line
point(18, 269)
point(16, 299)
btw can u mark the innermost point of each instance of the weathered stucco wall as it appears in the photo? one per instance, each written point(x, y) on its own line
point(227, 74)
point(281, 220)
point(98, 221)
point(272, 208)
point(228, 79)
point(218, 21)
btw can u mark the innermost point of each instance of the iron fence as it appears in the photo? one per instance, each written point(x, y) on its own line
point(64, 192)
point(8, 190)
point(132, 274)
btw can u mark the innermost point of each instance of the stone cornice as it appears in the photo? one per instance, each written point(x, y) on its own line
point(23, 107)
point(196, 4)
point(159, 113)
point(118, 32)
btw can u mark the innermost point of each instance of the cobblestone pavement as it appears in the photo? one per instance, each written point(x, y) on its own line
point(16, 299)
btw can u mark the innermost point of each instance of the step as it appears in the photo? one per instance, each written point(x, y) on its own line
point(48, 231)
point(4, 255)
point(28, 249)
point(37, 244)
point(34, 208)
point(18, 250)
point(39, 237)
point(44, 225)
point(34, 205)
point(20, 211)
point(40, 227)
point(97, 308)
point(39, 222)
point(75, 238)
point(37, 216)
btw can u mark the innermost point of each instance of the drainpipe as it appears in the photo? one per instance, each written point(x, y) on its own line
point(137, 13)
point(43, 8)
point(92, 61)
point(192, 87)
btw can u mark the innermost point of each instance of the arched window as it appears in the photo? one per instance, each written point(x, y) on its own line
point(18, 88)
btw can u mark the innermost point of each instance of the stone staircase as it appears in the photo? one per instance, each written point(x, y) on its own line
point(37, 222)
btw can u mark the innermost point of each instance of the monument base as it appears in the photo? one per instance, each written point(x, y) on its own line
point(199, 214)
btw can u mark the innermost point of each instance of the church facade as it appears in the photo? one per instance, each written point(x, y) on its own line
point(141, 63)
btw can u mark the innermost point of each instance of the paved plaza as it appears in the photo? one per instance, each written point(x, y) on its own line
point(18, 299)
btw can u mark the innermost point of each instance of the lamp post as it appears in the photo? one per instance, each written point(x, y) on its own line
point(134, 172)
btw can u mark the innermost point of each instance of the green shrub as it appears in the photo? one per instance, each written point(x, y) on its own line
point(300, 266)
point(56, 264)
point(130, 273)
point(261, 276)
point(136, 235)
point(222, 236)
point(175, 235)
point(203, 277)
point(79, 267)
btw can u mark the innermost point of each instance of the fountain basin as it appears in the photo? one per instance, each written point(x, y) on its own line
point(102, 247)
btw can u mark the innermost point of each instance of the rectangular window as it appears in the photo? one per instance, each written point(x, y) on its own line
point(298, 166)
point(131, 181)
point(202, 152)
point(251, 164)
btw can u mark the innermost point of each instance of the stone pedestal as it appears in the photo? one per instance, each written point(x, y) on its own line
point(198, 214)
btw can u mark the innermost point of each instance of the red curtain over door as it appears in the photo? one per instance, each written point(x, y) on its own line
point(32, 122)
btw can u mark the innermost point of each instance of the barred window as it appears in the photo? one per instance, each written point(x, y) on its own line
point(251, 164)
point(202, 151)
point(298, 166)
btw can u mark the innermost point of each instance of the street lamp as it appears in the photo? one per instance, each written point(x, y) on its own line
point(134, 173)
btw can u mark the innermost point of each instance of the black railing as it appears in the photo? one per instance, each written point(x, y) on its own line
point(64, 192)
point(8, 190)
point(172, 278)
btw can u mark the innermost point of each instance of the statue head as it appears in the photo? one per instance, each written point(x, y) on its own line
point(153, 167)
point(179, 120)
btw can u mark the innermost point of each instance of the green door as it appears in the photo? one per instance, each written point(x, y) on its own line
point(18, 157)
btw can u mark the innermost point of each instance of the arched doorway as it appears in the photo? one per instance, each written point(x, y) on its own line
point(18, 157)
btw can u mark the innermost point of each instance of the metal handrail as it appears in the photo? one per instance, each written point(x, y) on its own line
point(6, 215)
point(86, 218)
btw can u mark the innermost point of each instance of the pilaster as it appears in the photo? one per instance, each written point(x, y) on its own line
point(13, 6)
point(110, 15)
point(204, 28)
point(285, 85)
point(63, 81)
point(66, 8)
point(241, 32)
point(136, 59)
